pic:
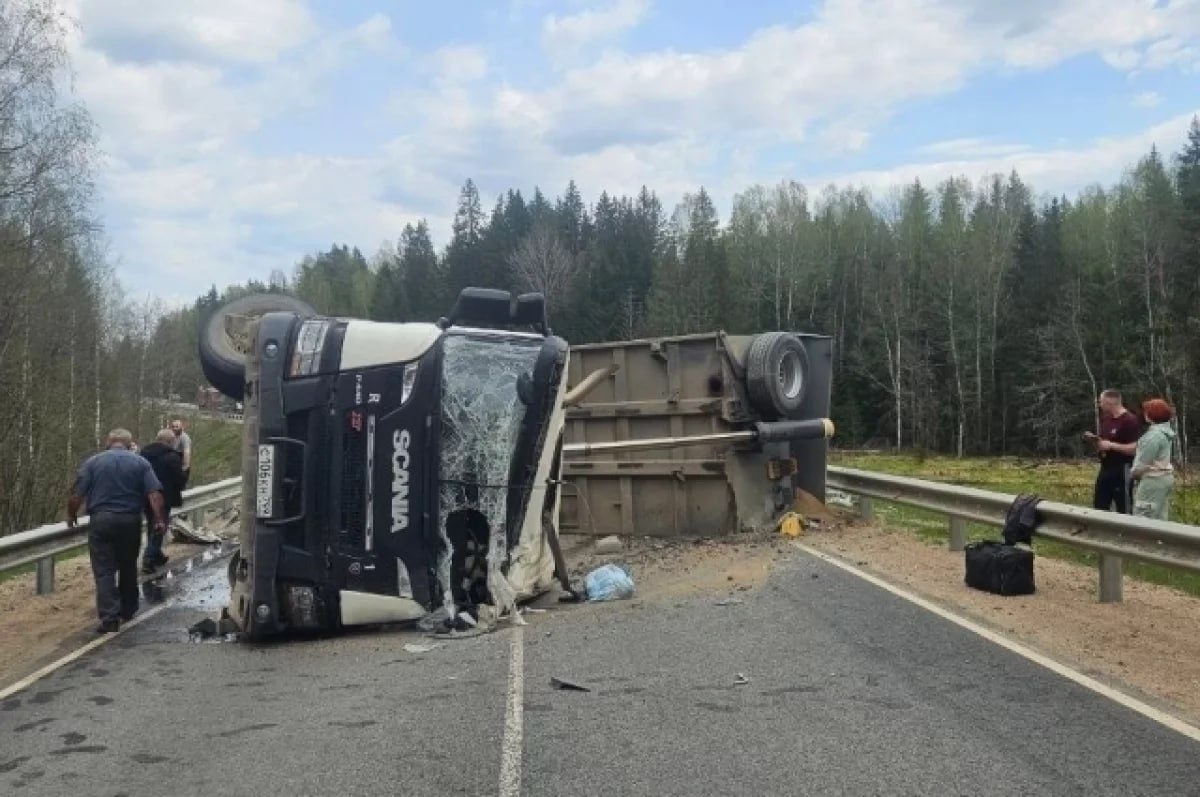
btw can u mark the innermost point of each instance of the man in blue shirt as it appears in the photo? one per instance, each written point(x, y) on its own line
point(114, 485)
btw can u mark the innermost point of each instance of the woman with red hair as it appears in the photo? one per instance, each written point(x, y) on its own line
point(1152, 463)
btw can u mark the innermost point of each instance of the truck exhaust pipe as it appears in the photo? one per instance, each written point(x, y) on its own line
point(778, 431)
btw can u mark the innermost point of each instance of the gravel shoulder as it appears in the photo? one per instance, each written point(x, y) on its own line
point(1148, 645)
point(38, 629)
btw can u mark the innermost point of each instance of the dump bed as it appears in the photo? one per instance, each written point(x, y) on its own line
point(676, 387)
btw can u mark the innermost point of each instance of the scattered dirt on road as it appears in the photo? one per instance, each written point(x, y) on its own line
point(665, 570)
point(37, 629)
point(1149, 643)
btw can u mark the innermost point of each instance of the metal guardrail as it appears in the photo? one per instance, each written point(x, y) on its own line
point(43, 544)
point(1113, 536)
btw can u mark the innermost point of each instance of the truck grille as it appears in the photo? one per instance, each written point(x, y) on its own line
point(353, 487)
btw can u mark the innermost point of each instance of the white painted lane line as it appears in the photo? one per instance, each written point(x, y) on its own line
point(1146, 710)
point(511, 747)
point(100, 639)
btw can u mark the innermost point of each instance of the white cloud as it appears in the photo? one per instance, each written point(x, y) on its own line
point(222, 30)
point(197, 192)
point(1051, 171)
point(165, 108)
point(855, 62)
point(170, 109)
point(177, 92)
point(565, 35)
point(972, 148)
point(1147, 99)
point(845, 138)
point(460, 63)
point(852, 62)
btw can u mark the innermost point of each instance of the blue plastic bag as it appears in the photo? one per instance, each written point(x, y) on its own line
point(609, 583)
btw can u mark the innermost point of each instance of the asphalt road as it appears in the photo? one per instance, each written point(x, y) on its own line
point(849, 690)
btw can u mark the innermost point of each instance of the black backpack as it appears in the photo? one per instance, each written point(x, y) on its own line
point(1022, 520)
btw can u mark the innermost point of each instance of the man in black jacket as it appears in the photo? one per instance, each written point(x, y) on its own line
point(167, 464)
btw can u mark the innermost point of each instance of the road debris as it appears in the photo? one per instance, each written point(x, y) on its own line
point(570, 686)
point(183, 531)
point(607, 546)
point(609, 583)
point(729, 602)
point(791, 525)
point(223, 626)
point(741, 680)
point(836, 498)
point(409, 647)
point(205, 628)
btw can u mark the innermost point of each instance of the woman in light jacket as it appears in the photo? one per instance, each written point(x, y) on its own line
point(1152, 463)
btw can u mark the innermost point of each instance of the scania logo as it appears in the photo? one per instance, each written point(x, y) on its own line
point(400, 463)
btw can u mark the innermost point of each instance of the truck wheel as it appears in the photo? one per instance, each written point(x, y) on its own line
point(777, 374)
point(222, 356)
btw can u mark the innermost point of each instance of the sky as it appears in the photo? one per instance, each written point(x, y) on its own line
point(239, 136)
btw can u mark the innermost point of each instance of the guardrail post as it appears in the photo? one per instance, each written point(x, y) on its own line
point(1111, 578)
point(45, 575)
point(866, 509)
point(958, 533)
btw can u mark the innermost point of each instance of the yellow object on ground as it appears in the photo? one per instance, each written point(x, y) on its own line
point(791, 525)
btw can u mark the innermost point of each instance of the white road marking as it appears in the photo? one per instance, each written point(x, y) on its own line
point(511, 747)
point(78, 653)
point(1146, 710)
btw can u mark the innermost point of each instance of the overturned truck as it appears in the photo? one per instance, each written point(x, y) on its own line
point(400, 471)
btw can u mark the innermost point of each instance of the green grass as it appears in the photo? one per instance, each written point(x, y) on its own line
point(1059, 480)
point(218, 450)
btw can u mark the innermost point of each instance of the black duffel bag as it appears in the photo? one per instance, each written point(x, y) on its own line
point(1000, 569)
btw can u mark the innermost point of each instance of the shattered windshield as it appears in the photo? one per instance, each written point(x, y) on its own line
point(481, 421)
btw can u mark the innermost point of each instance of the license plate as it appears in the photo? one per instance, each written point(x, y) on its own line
point(265, 479)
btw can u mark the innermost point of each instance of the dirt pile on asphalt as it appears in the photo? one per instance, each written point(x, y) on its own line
point(668, 569)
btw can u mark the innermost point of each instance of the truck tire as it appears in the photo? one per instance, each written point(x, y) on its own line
point(777, 374)
point(221, 359)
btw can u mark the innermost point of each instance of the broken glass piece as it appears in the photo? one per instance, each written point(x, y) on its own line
point(481, 420)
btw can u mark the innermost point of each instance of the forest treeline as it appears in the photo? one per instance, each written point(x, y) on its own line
point(967, 317)
point(973, 317)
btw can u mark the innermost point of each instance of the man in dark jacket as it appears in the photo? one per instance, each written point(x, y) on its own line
point(167, 464)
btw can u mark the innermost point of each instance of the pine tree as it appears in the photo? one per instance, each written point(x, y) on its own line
point(422, 275)
point(390, 299)
point(464, 261)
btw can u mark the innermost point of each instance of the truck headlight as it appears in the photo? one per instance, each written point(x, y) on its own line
point(410, 378)
point(310, 344)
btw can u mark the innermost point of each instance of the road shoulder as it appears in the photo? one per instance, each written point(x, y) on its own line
point(1148, 645)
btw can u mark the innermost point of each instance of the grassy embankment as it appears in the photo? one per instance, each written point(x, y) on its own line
point(1066, 481)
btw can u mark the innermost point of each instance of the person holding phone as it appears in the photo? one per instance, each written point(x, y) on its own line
point(1116, 443)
